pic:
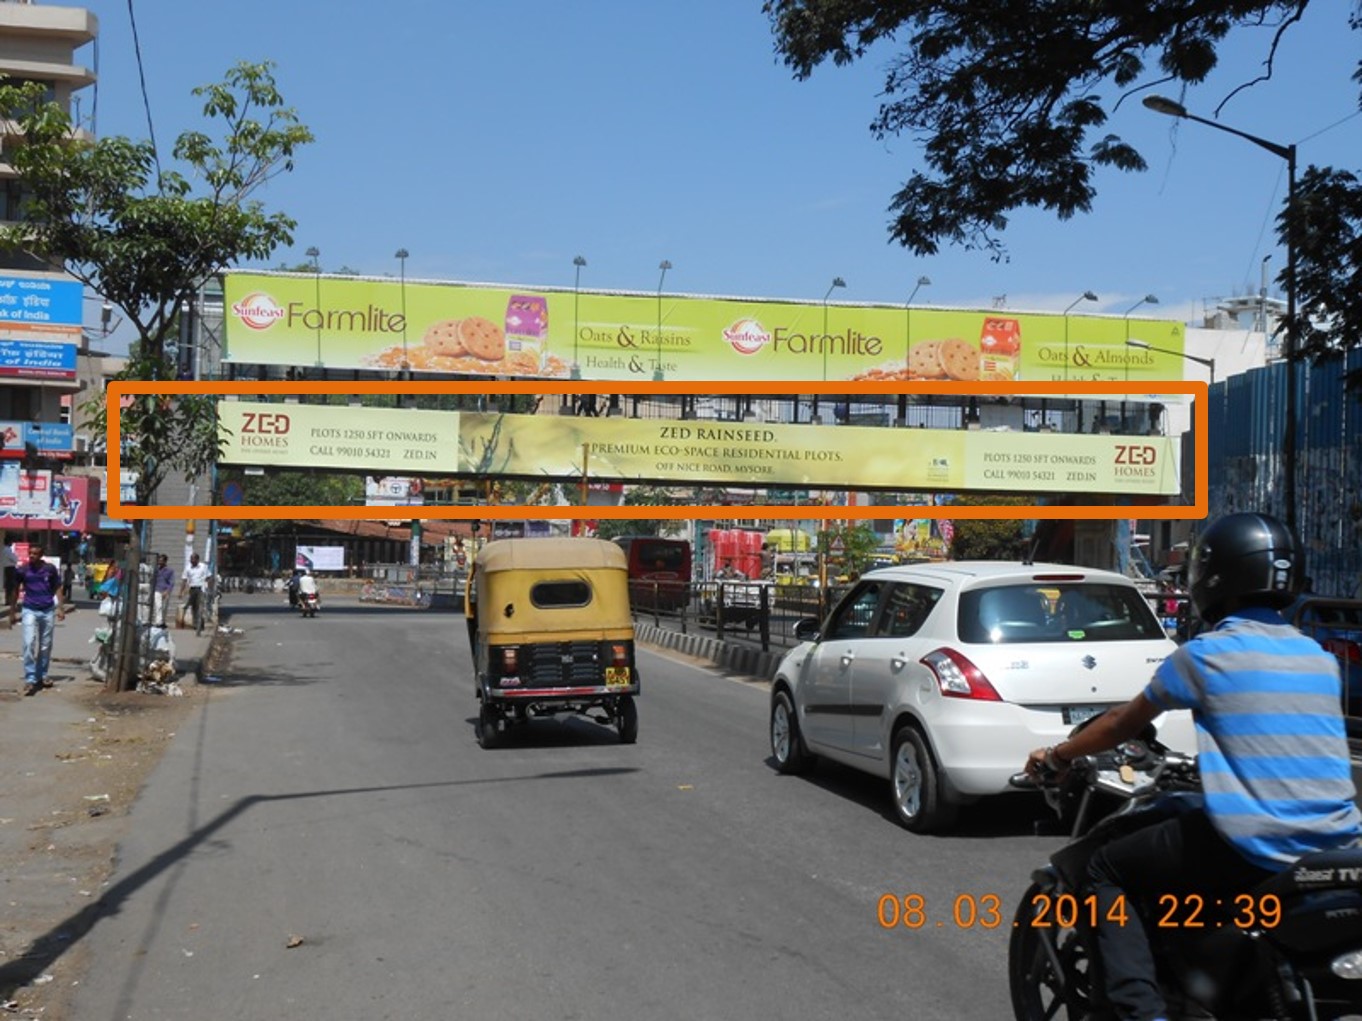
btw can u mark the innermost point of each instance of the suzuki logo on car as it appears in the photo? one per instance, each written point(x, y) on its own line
point(1089, 662)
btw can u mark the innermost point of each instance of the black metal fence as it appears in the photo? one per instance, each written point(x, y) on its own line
point(760, 613)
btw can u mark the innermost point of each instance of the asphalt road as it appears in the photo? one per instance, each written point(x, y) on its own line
point(332, 790)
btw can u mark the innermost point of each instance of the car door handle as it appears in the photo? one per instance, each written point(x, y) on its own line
point(898, 662)
point(847, 658)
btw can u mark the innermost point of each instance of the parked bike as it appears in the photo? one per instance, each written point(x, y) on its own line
point(1291, 948)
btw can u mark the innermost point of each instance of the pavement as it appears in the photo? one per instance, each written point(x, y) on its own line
point(34, 730)
point(64, 766)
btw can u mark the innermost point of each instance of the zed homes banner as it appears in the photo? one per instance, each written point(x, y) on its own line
point(387, 325)
point(686, 451)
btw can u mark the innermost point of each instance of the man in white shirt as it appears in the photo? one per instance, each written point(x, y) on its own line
point(195, 578)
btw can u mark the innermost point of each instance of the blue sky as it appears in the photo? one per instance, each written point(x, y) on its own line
point(496, 141)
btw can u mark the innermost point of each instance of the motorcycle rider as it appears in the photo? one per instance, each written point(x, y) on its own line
point(292, 586)
point(1273, 755)
point(307, 586)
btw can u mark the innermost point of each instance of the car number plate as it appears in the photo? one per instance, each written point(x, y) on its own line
point(617, 677)
point(1076, 714)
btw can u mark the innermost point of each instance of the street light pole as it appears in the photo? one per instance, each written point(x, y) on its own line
point(314, 253)
point(1148, 299)
point(1085, 296)
point(578, 262)
point(664, 265)
point(1208, 362)
point(1163, 105)
point(836, 283)
point(922, 282)
point(401, 257)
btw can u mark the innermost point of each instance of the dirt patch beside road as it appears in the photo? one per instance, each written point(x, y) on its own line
point(75, 758)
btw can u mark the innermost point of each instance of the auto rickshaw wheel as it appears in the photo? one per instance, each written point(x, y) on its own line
point(488, 728)
point(627, 719)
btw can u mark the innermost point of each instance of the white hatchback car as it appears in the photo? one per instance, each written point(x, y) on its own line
point(943, 677)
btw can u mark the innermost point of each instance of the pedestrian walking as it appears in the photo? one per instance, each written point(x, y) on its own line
point(10, 563)
point(36, 595)
point(163, 586)
point(68, 582)
point(193, 580)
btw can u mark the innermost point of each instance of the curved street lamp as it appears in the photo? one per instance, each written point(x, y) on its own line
point(1148, 299)
point(1085, 296)
point(922, 281)
point(836, 283)
point(578, 262)
point(314, 253)
point(401, 255)
point(664, 265)
point(1163, 105)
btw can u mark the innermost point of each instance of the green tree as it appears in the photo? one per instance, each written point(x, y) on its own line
point(849, 548)
point(144, 237)
point(637, 496)
point(292, 488)
point(989, 538)
point(1010, 100)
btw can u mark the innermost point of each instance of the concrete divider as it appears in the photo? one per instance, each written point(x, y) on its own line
point(749, 662)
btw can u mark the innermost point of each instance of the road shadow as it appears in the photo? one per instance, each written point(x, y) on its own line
point(45, 950)
point(1004, 815)
point(552, 732)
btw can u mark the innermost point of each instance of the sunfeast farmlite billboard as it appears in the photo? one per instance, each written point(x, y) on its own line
point(496, 330)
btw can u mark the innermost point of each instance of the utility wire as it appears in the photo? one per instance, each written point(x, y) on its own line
point(146, 101)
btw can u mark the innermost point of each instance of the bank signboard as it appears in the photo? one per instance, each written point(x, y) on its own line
point(349, 323)
point(40, 324)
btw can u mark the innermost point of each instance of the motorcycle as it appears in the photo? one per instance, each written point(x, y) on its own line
point(1291, 948)
point(309, 603)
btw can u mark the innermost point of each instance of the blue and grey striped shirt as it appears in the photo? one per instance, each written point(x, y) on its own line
point(1272, 748)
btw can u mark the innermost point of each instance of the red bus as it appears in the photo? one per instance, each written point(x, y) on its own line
point(659, 571)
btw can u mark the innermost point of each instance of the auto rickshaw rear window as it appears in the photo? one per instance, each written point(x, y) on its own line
point(550, 594)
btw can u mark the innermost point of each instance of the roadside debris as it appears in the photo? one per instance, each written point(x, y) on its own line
point(293, 941)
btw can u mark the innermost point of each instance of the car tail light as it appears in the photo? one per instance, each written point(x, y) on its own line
point(1346, 651)
point(957, 677)
point(619, 655)
point(510, 661)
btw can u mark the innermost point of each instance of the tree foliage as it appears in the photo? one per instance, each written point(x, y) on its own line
point(1011, 100)
point(639, 496)
point(144, 236)
point(292, 489)
point(989, 538)
point(849, 548)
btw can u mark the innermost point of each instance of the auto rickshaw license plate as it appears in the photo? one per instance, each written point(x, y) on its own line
point(617, 677)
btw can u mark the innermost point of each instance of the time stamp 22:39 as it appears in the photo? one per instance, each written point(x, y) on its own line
point(1067, 910)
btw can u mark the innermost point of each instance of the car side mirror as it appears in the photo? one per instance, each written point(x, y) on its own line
point(806, 629)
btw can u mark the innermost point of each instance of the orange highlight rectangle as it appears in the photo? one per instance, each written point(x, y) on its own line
point(558, 512)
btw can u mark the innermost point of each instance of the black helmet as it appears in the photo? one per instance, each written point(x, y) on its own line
point(1250, 558)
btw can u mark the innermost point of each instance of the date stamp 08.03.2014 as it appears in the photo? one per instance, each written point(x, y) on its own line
point(1067, 911)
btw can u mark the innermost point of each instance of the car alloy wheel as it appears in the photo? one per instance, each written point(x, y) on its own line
point(918, 803)
point(787, 747)
point(907, 780)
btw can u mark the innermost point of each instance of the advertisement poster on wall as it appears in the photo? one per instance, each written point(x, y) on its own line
point(39, 500)
point(320, 558)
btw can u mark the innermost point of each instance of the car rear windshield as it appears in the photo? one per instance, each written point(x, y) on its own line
point(1056, 612)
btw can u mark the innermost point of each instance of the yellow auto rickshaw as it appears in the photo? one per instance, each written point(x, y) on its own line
point(550, 629)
